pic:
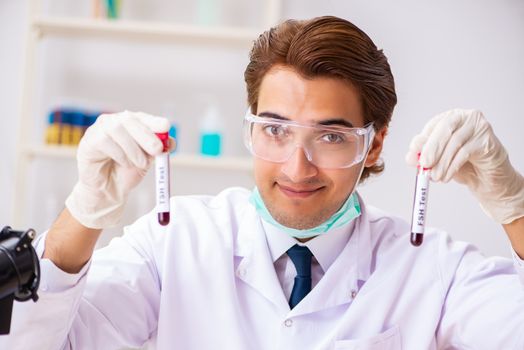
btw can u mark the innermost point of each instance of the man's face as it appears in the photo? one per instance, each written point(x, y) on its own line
point(297, 193)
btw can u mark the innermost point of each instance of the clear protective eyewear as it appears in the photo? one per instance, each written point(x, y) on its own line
point(327, 147)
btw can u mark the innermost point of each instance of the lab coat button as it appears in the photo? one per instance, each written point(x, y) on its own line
point(241, 272)
point(353, 294)
point(288, 322)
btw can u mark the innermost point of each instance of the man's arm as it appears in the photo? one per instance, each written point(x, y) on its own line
point(84, 310)
point(69, 244)
point(515, 231)
point(480, 294)
point(461, 145)
point(113, 303)
point(113, 157)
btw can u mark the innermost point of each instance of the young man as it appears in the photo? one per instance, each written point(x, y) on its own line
point(300, 262)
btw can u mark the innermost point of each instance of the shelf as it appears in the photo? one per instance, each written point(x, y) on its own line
point(244, 164)
point(50, 151)
point(47, 26)
point(183, 160)
point(151, 31)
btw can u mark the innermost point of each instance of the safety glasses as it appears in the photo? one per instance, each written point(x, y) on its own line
point(328, 147)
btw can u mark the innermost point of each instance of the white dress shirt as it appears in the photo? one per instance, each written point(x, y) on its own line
point(325, 248)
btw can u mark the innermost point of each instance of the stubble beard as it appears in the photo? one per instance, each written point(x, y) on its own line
point(303, 221)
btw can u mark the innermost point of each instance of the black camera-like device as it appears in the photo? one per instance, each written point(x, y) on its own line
point(19, 272)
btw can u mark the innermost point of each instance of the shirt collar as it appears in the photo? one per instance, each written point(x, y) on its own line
point(326, 247)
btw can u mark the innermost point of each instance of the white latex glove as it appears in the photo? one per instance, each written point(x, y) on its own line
point(460, 144)
point(113, 157)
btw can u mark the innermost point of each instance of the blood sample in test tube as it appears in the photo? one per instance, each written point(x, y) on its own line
point(420, 201)
point(162, 181)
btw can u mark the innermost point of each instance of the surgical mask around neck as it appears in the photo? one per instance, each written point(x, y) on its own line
point(347, 213)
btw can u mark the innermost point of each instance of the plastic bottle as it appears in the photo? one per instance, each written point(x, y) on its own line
point(211, 133)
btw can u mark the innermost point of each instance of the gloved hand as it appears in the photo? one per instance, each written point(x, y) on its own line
point(460, 144)
point(113, 157)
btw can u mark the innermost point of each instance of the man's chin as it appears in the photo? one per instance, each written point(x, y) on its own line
point(296, 220)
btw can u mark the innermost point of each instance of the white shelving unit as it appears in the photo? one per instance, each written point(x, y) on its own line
point(136, 30)
point(178, 160)
point(43, 26)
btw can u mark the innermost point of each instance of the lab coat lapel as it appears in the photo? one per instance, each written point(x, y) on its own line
point(335, 287)
point(348, 273)
point(256, 267)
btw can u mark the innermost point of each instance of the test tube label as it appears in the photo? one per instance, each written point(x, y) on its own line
point(162, 182)
point(420, 203)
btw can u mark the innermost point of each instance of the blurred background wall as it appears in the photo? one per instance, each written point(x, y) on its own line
point(444, 54)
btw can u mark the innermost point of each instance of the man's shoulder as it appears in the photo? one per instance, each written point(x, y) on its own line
point(390, 234)
point(391, 231)
point(193, 214)
point(201, 221)
point(229, 200)
point(221, 214)
point(383, 222)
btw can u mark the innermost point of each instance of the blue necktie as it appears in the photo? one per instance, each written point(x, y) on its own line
point(301, 258)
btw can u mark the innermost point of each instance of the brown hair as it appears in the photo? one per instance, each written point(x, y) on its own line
point(329, 47)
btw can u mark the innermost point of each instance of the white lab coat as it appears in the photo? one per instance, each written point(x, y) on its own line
point(207, 281)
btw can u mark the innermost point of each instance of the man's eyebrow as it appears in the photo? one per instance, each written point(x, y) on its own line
point(327, 122)
point(272, 116)
point(336, 121)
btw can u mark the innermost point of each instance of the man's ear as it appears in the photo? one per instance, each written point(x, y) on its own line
point(376, 147)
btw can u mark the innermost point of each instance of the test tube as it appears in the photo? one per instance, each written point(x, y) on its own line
point(420, 201)
point(162, 181)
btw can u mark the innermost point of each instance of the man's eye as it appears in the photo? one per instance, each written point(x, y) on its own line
point(274, 130)
point(333, 138)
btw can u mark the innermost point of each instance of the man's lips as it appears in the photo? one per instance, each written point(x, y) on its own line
point(298, 192)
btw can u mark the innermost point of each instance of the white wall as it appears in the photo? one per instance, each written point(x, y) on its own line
point(12, 30)
point(444, 55)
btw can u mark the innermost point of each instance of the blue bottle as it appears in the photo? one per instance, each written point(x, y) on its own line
point(173, 134)
point(211, 133)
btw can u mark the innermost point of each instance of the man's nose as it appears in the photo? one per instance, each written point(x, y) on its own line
point(298, 167)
